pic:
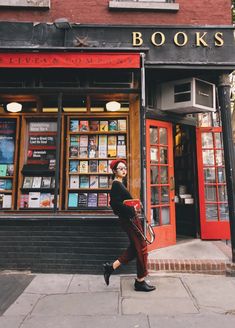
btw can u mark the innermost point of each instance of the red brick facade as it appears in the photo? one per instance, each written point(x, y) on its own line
point(193, 12)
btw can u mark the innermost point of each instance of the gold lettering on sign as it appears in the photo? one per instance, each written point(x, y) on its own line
point(185, 39)
point(219, 42)
point(137, 40)
point(162, 39)
point(199, 39)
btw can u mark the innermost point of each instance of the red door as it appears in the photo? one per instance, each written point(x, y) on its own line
point(160, 182)
point(214, 215)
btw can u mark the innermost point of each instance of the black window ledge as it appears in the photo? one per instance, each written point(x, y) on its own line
point(143, 5)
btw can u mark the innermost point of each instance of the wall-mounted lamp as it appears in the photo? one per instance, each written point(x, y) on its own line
point(113, 106)
point(14, 107)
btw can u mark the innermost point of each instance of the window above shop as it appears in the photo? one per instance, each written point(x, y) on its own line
point(169, 5)
point(25, 3)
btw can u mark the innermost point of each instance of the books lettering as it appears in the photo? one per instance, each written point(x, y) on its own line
point(52, 164)
point(82, 200)
point(74, 182)
point(94, 181)
point(73, 200)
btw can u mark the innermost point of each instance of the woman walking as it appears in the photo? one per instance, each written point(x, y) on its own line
point(138, 247)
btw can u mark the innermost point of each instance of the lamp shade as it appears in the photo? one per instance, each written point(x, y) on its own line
point(113, 106)
point(14, 107)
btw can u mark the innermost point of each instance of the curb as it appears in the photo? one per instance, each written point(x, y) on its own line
point(215, 267)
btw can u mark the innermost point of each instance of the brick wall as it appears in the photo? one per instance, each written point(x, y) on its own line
point(193, 12)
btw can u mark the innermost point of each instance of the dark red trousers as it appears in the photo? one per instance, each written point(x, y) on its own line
point(137, 248)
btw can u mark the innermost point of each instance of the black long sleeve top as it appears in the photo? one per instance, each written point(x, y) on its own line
point(118, 194)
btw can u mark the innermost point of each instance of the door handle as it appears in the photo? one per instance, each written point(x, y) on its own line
point(172, 183)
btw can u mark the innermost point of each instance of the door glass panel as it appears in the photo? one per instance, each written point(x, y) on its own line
point(222, 193)
point(163, 136)
point(218, 140)
point(165, 215)
point(155, 216)
point(211, 212)
point(210, 193)
point(208, 157)
point(164, 175)
point(165, 195)
point(153, 155)
point(153, 135)
point(224, 214)
point(219, 157)
point(155, 195)
point(207, 140)
point(163, 155)
point(221, 175)
point(154, 174)
point(209, 174)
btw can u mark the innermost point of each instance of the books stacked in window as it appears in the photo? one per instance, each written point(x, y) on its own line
point(36, 200)
point(6, 170)
point(6, 201)
point(38, 182)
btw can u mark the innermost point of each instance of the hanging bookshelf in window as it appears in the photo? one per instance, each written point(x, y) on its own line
point(37, 179)
point(92, 144)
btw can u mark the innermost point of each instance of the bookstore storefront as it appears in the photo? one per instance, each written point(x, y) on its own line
point(150, 98)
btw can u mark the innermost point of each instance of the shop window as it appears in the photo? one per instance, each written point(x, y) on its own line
point(168, 5)
point(25, 3)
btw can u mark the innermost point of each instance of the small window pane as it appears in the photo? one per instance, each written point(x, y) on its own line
point(165, 195)
point(163, 155)
point(153, 136)
point(224, 213)
point(208, 157)
point(210, 193)
point(209, 175)
point(211, 212)
point(164, 175)
point(219, 157)
point(154, 195)
point(165, 215)
point(218, 140)
point(221, 175)
point(153, 155)
point(163, 136)
point(154, 174)
point(155, 216)
point(207, 140)
point(222, 193)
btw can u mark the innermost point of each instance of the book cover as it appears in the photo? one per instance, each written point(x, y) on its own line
point(121, 125)
point(112, 146)
point(121, 147)
point(84, 181)
point(73, 166)
point(7, 200)
point(83, 167)
point(92, 146)
point(73, 151)
point(34, 199)
point(83, 153)
point(36, 182)
point(73, 199)
point(46, 182)
point(45, 200)
point(102, 199)
point(103, 146)
point(24, 201)
point(27, 182)
point(74, 140)
point(103, 166)
point(94, 181)
point(113, 125)
point(52, 182)
point(8, 184)
point(52, 164)
point(82, 200)
point(92, 200)
point(84, 126)
point(74, 182)
point(104, 126)
point(93, 166)
point(103, 181)
point(94, 125)
point(3, 170)
point(10, 170)
point(74, 125)
point(2, 184)
point(84, 140)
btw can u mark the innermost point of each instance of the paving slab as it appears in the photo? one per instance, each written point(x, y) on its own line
point(23, 305)
point(171, 296)
point(11, 322)
point(212, 293)
point(192, 321)
point(78, 304)
point(137, 321)
point(192, 249)
point(50, 284)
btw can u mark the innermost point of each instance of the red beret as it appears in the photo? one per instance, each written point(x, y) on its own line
point(115, 162)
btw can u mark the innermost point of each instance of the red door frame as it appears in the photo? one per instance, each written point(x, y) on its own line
point(165, 234)
point(209, 229)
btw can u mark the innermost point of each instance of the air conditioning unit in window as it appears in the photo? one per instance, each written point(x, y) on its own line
point(186, 96)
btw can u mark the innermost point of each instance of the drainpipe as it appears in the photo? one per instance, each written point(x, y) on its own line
point(143, 138)
point(229, 156)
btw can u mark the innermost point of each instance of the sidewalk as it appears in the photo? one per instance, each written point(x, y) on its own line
point(193, 256)
point(69, 301)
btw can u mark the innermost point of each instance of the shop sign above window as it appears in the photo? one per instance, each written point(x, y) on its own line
point(25, 3)
point(144, 4)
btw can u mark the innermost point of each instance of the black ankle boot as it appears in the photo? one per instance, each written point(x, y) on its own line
point(108, 270)
point(142, 286)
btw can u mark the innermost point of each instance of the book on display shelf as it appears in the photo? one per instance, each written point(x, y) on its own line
point(94, 181)
point(104, 126)
point(7, 201)
point(3, 170)
point(102, 199)
point(103, 181)
point(36, 182)
point(73, 199)
point(83, 167)
point(121, 147)
point(45, 200)
point(74, 166)
point(82, 200)
point(73, 151)
point(10, 169)
point(103, 166)
point(93, 166)
point(34, 199)
point(84, 181)
point(46, 182)
point(84, 125)
point(24, 201)
point(94, 125)
point(28, 181)
point(74, 125)
point(102, 146)
point(74, 181)
point(112, 146)
point(92, 200)
point(74, 141)
point(113, 125)
point(121, 125)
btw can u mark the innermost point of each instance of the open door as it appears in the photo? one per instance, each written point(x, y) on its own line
point(214, 213)
point(160, 182)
